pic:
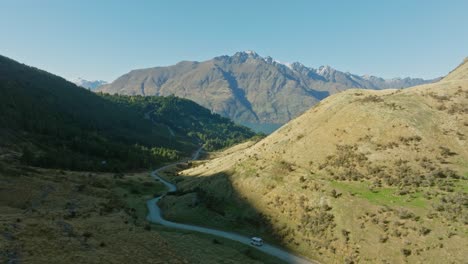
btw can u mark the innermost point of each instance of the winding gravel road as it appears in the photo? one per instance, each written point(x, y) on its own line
point(155, 216)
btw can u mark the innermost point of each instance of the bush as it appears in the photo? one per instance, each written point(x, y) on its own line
point(371, 99)
point(87, 234)
point(405, 214)
point(406, 252)
point(135, 191)
point(446, 152)
point(335, 194)
point(441, 107)
point(383, 239)
point(345, 233)
point(445, 173)
point(424, 231)
point(439, 98)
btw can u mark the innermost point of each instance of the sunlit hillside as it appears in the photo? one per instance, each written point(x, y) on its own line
point(368, 176)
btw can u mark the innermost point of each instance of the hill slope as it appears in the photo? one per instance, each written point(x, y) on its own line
point(54, 123)
point(460, 73)
point(247, 87)
point(364, 176)
point(186, 119)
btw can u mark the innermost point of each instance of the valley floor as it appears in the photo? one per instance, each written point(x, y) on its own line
point(54, 216)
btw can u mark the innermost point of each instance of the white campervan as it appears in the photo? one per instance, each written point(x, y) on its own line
point(256, 241)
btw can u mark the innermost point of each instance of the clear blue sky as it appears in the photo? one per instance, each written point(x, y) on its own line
point(101, 39)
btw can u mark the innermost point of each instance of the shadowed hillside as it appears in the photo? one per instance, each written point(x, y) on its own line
point(51, 122)
point(186, 119)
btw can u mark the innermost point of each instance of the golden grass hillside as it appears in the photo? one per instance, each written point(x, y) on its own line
point(53, 216)
point(365, 176)
point(459, 73)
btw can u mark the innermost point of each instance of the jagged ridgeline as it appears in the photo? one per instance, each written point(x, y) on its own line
point(51, 122)
point(248, 88)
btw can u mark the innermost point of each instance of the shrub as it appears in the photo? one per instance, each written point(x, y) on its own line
point(424, 231)
point(405, 214)
point(439, 98)
point(118, 176)
point(441, 107)
point(383, 239)
point(371, 99)
point(406, 252)
point(87, 234)
point(335, 194)
point(345, 233)
point(445, 173)
point(446, 152)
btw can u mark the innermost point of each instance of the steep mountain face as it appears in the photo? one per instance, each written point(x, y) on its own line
point(91, 85)
point(247, 87)
point(364, 176)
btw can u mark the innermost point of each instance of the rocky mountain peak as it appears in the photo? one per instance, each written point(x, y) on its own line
point(247, 54)
point(88, 84)
point(325, 70)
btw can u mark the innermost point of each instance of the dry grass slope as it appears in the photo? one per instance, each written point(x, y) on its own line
point(365, 176)
point(50, 216)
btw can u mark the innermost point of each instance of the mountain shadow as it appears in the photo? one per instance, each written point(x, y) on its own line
point(214, 201)
point(320, 95)
point(239, 93)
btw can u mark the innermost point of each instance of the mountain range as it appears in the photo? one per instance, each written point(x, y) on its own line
point(247, 87)
point(91, 85)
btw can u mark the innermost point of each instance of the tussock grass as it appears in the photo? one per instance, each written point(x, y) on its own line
point(378, 164)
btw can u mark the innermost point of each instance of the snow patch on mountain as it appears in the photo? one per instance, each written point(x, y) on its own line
point(91, 85)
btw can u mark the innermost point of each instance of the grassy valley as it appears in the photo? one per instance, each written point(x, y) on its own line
point(59, 216)
point(56, 207)
point(152, 132)
point(365, 176)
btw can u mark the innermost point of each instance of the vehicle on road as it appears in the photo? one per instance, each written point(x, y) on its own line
point(256, 241)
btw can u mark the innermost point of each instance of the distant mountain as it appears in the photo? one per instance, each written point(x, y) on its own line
point(91, 85)
point(247, 87)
